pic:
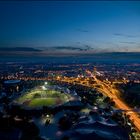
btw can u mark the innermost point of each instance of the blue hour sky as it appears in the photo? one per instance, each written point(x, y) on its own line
point(104, 26)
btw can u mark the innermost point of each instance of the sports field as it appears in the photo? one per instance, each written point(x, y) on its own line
point(40, 97)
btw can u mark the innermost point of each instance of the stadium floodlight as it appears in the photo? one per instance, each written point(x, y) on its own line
point(45, 83)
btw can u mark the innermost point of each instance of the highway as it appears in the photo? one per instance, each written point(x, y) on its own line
point(120, 104)
point(109, 91)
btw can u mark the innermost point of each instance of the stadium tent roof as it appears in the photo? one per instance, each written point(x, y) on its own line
point(12, 81)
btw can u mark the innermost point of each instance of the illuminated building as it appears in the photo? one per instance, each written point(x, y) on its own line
point(12, 86)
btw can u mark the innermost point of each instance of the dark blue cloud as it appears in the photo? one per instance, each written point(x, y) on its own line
point(126, 35)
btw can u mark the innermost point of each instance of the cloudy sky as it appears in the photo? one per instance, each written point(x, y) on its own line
point(97, 26)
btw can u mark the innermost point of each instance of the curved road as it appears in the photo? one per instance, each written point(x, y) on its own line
point(110, 92)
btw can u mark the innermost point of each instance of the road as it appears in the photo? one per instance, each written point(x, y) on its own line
point(109, 91)
point(102, 87)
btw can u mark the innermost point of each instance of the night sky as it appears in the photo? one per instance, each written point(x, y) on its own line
point(104, 26)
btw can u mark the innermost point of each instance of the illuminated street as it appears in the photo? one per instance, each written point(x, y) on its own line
point(110, 92)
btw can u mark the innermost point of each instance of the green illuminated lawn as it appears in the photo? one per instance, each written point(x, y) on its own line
point(39, 97)
point(42, 102)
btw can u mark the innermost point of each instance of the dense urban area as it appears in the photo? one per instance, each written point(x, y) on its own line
point(41, 101)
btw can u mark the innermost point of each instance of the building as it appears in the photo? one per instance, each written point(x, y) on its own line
point(12, 86)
